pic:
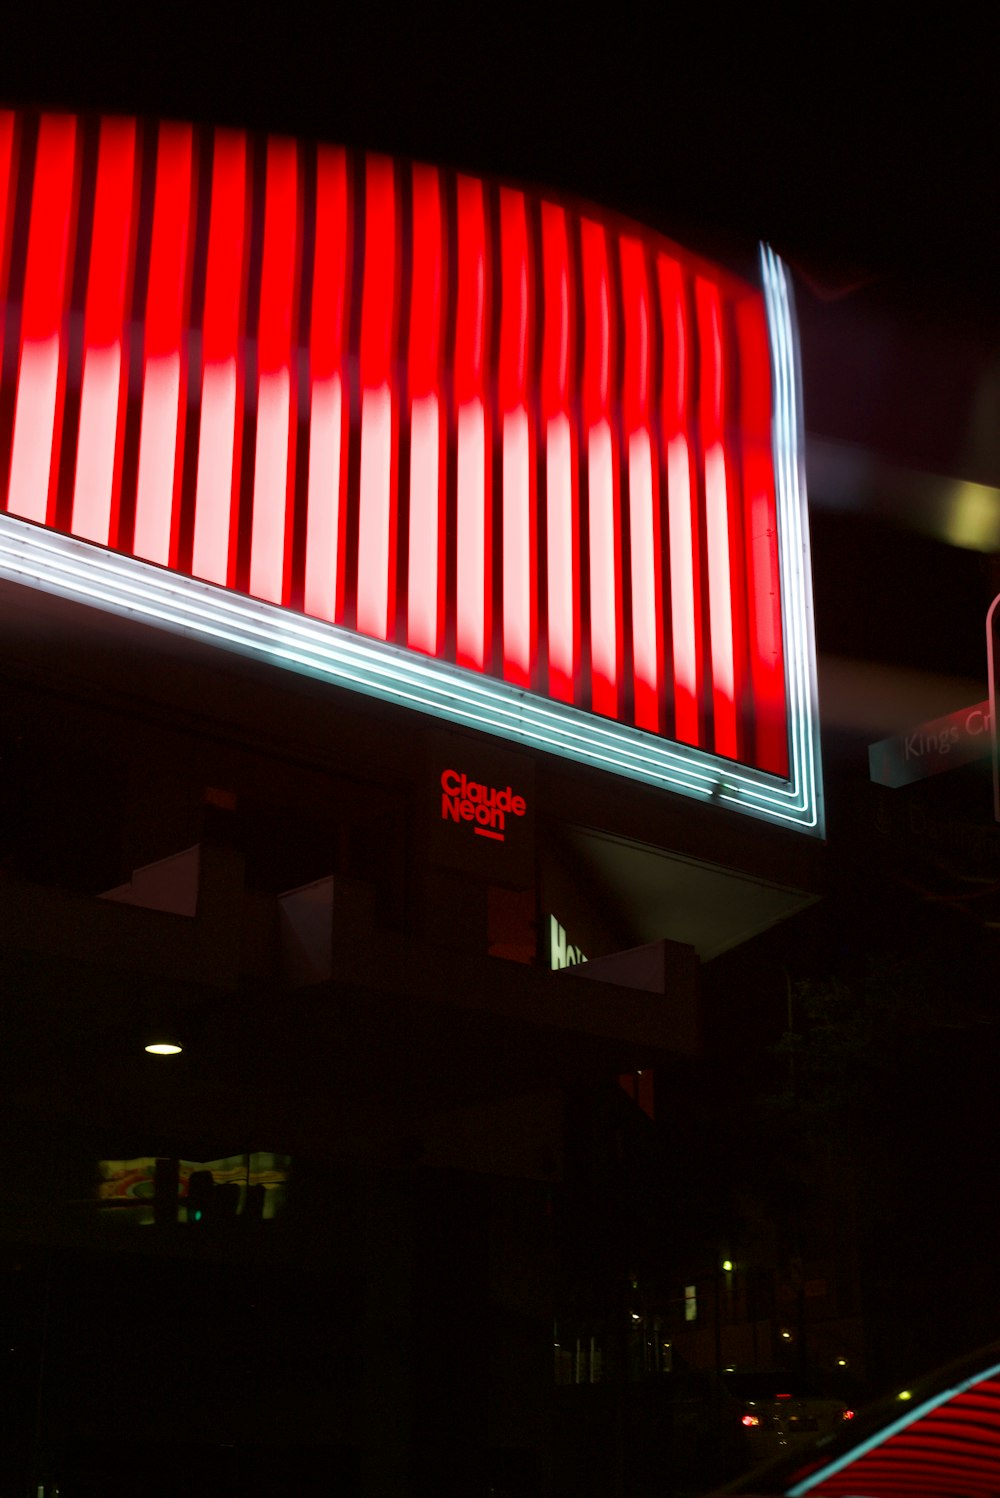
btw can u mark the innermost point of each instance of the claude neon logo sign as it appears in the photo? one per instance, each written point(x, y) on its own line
point(465, 800)
point(520, 465)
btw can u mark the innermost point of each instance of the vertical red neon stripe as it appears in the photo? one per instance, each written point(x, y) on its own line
point(325, 512)
point(96, 484)
point(602, 473)
point(377, 505)
point(35, 439)
point(682, 503)
point(272, 478)
point(425, 594)
point(160, 430)
point(760, 529)
point(643, 487)
point(561, 495)
point(708, 310)
point(473, 520)
point(518, 438)
point(217, 482)
point(6, 204)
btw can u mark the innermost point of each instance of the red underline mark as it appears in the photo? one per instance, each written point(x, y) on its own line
point(485, 832)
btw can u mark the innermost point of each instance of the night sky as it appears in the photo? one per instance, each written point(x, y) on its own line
point(858, 154)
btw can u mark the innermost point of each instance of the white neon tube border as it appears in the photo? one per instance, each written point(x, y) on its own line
point(910, 1417)
point(75, 569)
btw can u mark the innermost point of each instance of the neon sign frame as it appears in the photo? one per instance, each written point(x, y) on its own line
point(504, 699)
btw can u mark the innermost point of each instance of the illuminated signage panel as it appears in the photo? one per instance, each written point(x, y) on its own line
point(519, 464)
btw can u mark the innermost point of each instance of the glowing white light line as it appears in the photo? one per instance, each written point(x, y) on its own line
point(800, 665)
point(881, 1436)
point(35, 556)
point(122, 585)
point(267, 634)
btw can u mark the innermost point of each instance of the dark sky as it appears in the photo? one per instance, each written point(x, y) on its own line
point(855, 153)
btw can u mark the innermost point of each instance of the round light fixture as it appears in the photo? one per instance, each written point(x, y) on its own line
point(163, 1048)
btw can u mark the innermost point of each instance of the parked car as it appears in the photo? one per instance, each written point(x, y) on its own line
point(780, 1411)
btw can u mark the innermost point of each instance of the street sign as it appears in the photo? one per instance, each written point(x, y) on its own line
point(942, 744)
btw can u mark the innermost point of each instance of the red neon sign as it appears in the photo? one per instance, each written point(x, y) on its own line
point(527, 440)
point(488, 806)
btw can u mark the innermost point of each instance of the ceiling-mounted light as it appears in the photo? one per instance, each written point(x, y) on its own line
point(162, 1043)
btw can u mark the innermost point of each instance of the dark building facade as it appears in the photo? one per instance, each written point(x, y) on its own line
point(402, 1214)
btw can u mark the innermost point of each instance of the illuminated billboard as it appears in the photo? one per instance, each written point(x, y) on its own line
point(516, 463)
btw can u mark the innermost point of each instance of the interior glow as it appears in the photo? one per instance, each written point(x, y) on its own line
point(645, 553)
point(161, 393)
point(518, 562)
point(214, 483)
point(326, 508)
point(157, 457)
point(682, 506)
point(562, 558)
point(561, 493)
point(473, 519)
point(6, 208)
point(970, 519)
point(518, 455)
point(32, 459)
point(270, 487)
point(34, 424)
point(163, 1048)
point(603, 541)
point(217, 461)
point(643, 496)
point(471, 596)
point(95, 485)
point(602, 473)
point(376, 513)
point(274, 461)
point(761, 541)
point(424, 594)
point(95, 455)
point(717, 517)
point(375, 521)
